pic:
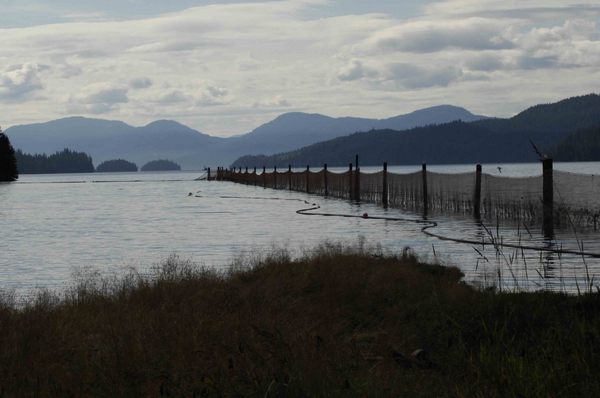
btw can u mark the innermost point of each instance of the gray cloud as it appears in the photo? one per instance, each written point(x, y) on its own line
point(140, 83)
point(433, 37)
point(355, 70)
point(98, 99)
point(414, 77)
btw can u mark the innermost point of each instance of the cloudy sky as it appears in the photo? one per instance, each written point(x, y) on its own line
point(226, 66)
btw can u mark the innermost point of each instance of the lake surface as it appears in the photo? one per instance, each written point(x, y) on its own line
point(56, 225)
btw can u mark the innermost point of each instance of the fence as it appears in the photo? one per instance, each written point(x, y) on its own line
point(553, 197)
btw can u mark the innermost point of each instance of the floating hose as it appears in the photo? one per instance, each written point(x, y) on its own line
point(428, 224)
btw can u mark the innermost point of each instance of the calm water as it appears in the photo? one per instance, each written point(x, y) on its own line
point(55, 225)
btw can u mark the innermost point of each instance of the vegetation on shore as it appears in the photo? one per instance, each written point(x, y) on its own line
point(116, 165)
point(161, 165)
point(8, 162)
point(338, 322)
point(65, 161)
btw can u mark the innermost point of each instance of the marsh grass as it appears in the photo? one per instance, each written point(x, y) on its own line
point(337, 322)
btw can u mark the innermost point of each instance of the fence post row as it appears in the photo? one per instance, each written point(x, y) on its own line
point(425, 199)
point(325, 180)
point(477, 194)
point(548, 198)
point(357, 181)
point(384, 188)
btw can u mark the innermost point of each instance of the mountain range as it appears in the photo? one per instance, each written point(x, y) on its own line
point(105, 139)
point(487, 140)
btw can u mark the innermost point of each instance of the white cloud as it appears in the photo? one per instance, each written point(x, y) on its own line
point(19, 82)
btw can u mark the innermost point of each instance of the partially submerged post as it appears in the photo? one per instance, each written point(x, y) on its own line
point(384, 187)
point(357, 181)
point(425, 198)
point(307, 179)
point(477, 193)
point(325, 184)
point(548, 198)
point(350, 181)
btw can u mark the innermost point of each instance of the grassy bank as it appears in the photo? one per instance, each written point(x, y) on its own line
point(337, 323)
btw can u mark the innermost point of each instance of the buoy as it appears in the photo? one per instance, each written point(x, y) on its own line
point(365, 215)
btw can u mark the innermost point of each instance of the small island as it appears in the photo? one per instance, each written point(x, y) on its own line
point(161, 165)
point(116, 165)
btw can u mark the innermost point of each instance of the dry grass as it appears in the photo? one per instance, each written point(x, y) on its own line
point(336, 323)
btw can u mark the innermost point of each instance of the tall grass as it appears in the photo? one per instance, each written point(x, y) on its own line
point(338, 322)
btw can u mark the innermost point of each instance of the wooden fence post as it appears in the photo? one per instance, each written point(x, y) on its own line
point(325, 182)
point(275, 177)
point(548, 198)
point(350, 181)
point(307, 179)
point(384, 188)
point(255, 177)
point(264, 177)
point(208, 175)
point(425, 198)
point(357, 181)
point(290, 177)
point(477, 194)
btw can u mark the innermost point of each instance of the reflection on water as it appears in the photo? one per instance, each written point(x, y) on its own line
point(53, 227)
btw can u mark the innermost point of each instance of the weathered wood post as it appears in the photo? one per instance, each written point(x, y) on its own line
point(350, 181)
point(357, 181)
point(548, 198)
point(425, 198)
point(325, 182)
point(307, 179)
point(384, 187)
point(290, 177)
point(264, 177)
point(255, 177)
point(208, 175)
point(477, 193)
point(275, 177)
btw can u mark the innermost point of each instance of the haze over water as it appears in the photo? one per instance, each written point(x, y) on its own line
point(57, 225)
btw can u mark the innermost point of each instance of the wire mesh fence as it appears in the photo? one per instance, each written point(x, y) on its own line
point(555, 196)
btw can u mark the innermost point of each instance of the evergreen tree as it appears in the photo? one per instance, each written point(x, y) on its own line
point(8, 161)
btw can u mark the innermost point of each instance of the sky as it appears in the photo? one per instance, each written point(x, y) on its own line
point(224, 67)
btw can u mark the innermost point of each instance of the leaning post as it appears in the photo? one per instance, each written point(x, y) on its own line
point(548, 198)
point(477, 193)
point(357, 181)
point(325, 182)
point(384, 187)
point(425, 198)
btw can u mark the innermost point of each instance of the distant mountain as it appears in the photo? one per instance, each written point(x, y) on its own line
point(493, 140)
point(105, 140)
point(294, 130)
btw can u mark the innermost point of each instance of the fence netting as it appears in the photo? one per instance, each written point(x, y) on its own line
point(576, 196)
